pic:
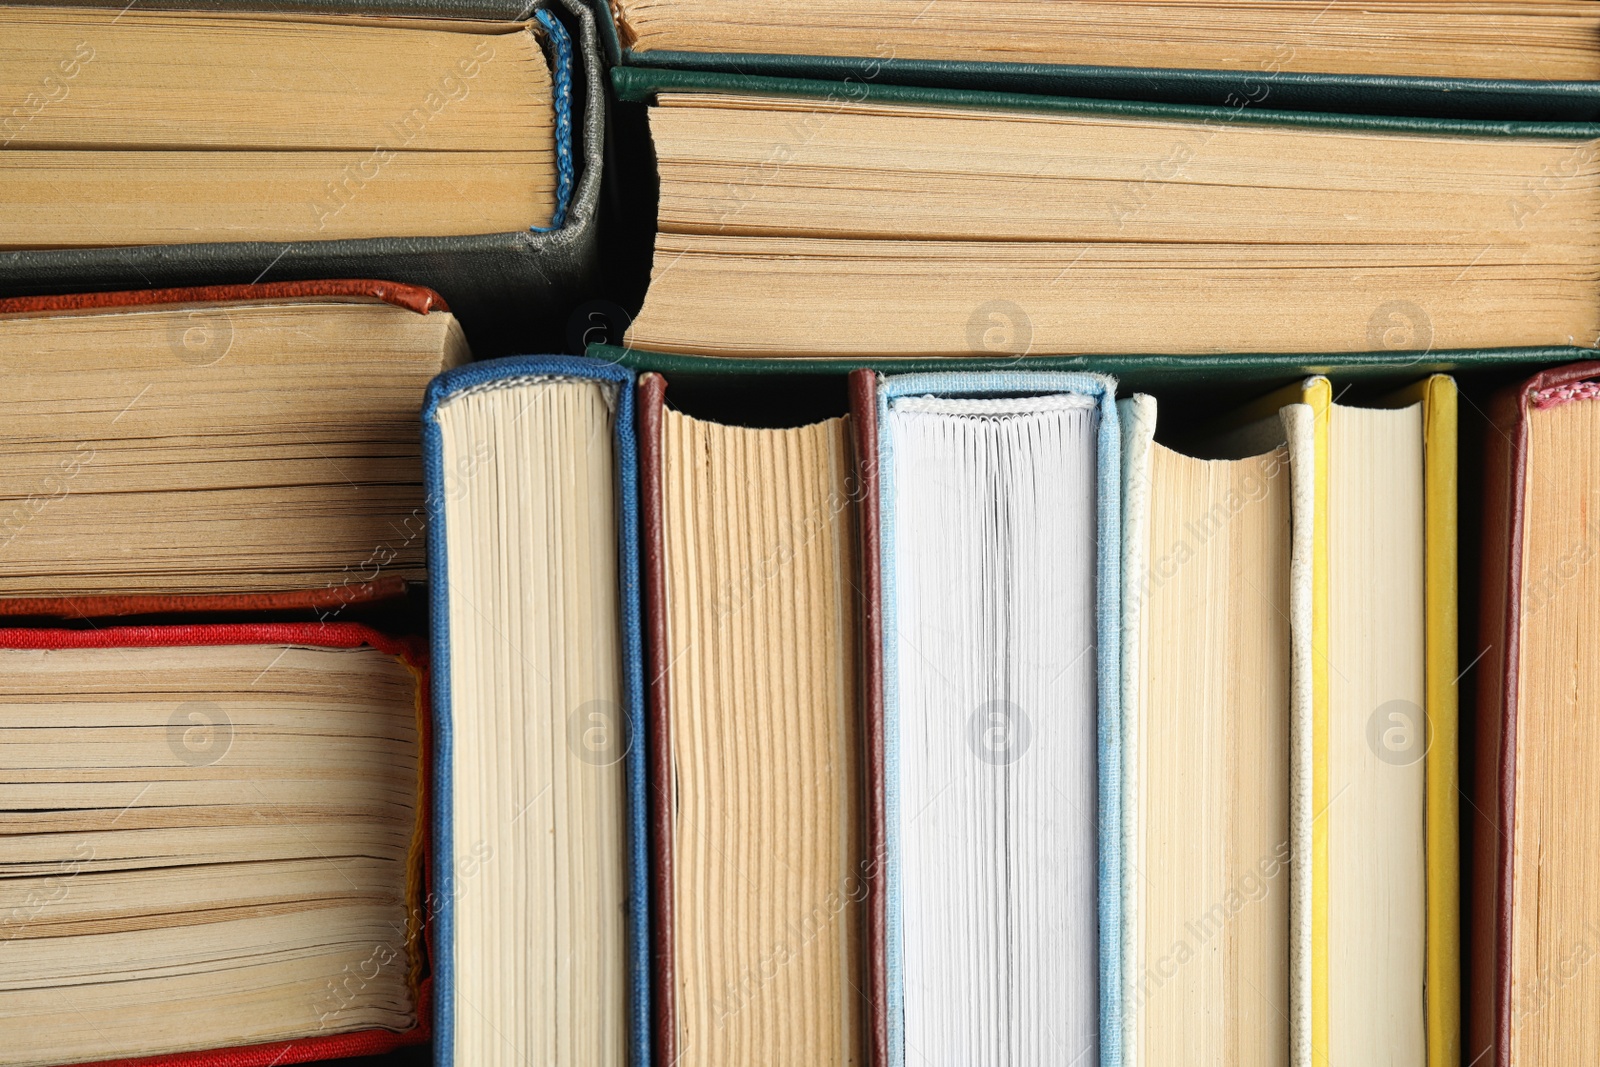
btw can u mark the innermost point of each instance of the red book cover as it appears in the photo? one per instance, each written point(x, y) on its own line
point(1491, 816)
point(316, 635)
point(323, 600)
point(414, 297)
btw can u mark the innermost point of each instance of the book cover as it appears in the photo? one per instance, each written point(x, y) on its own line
point(326, 601)
point(420, 941)
point(637, 84)
point(484, 374)
point(1155, 371)
point(1101, 391)
point(489, 279)
point(1517, 100)
point(863, 386)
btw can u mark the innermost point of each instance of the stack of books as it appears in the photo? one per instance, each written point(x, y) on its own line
point(867, 533)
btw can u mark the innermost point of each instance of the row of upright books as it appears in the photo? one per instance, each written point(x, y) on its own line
point(1110, 582)
point(968, 721)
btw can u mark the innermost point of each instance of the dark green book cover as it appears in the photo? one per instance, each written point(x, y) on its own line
point(1482, 98)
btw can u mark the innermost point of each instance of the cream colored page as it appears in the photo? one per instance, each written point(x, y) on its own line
point(145, 127)
point(198, 845)
point(1443, 38)
point(1182, 297)
point(760, 558)
point(869, 169)
point(213, 448)
point(1212, 980)
point(537, 724)
point(1555, 987)
point(269, 82)
point(1376, 739)
point(195, 196)
point(980, 219)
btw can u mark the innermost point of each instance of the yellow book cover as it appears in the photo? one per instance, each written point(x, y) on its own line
point(1442, 1023)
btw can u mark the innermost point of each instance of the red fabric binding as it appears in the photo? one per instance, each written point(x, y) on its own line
point(100, 607)
point(412, 297)
point(1557, 395)
point(316, 634)
point(277, 1053)
point(323, 635)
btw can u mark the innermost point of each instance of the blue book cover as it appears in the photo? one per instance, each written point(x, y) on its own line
point(450, 885)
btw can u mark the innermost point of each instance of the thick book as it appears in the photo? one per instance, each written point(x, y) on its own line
point(1000, 553)
point(763, 682)
point(1527, 60)
point(1374, 968)
point(1209, 550)
point(1290, 671)
point(461, 151)
point(227, 448)
point(1533, 998)
point(541, 929)
point(217, 844)
point(1003, 225)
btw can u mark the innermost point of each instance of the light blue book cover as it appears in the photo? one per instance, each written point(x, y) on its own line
point(1107, 531)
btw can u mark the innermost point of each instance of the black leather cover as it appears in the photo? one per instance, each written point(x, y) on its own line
point(511, 291)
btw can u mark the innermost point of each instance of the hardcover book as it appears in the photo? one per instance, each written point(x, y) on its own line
point(251, 445)
point(1000, 556)
point(1534, 875)
point(542, 929)
point(1518, 60)
point(991, 224)
point(1375, 880)
point(216, 843)
point(458, 151)
point(1209, 549)
point(760, 698)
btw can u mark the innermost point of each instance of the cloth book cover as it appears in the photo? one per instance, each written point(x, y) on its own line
point(1296, 422)
point(1310, 946)
point(1100, 391)
point(310, 635)
point(1237, 90)
point(444, 483)
point(482, 276)
point(322, 600)
point(1530, 920)
point(869, 683)
point(1134, 372)
point(643, 83)
point(863, 386)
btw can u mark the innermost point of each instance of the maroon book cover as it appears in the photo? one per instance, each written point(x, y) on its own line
point(330, 598)
point(864, 491)
point(1493, 830)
